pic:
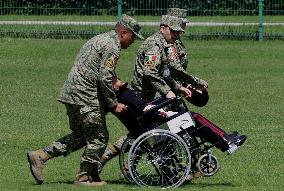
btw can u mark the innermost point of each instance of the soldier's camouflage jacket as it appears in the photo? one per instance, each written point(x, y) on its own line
point(156, 63)
point(89, 82)
point(182, 54)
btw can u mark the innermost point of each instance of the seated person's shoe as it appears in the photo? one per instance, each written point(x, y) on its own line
point(240, 140)
point(237, 140)
point(235, 143)
point(234, 134)
point(232, 148)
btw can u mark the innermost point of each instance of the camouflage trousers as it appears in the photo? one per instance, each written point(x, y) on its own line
point(113, 150)
point(89, 130)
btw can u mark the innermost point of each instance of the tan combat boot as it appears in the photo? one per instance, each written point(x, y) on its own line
point(110, 152)
point(82, 179)
point(36, 160)
point(88, 175)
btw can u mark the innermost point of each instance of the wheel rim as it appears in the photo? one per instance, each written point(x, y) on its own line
point(123, 157)
point(208, 166)
point(159, 158)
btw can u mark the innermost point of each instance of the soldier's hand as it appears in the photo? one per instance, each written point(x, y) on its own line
point(119, 108)
point(170, 95)
point(185, 92)
point(204, 84)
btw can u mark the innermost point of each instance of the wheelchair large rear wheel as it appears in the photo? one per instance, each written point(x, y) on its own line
point(123, 157)
point(159, 158)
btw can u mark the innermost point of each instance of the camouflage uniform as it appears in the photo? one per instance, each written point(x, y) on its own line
point(181, 53)
point(156, 64)
point(88, 95)
point(181, 49)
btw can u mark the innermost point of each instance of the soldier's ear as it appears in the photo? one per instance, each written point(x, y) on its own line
point(163, 28)
point(123, 33)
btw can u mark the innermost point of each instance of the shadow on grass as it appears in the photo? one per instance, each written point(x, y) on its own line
point(125, 182)
point(56, 182)
point(206, 184)
point(186, 183)
point(119, 181)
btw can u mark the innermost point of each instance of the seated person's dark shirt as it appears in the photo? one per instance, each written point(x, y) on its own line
point(130, 117)
point(133, 118)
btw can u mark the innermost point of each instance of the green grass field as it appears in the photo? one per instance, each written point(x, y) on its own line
point(246, 90)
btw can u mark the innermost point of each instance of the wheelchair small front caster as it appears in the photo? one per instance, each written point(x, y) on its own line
point(208, 164)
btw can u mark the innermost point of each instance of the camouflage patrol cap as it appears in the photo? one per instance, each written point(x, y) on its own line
point(173, 22)
point(177, 12)
point(131, 24)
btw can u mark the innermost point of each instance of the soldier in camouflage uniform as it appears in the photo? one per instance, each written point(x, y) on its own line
point(88, 95)
point(181, 50)
point(158, 68)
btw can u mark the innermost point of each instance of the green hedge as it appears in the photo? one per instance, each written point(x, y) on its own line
point(139, 7)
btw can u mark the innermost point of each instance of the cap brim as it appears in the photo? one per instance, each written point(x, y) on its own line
point(138, 35)
point(178, 29)
point(185, 20)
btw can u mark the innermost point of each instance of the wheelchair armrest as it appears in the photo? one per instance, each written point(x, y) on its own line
point(161, 105)
point(158, 100)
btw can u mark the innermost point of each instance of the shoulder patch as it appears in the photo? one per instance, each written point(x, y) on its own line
point(172, 54)
point(149, 61)
point(149, 64)
point(110, 62)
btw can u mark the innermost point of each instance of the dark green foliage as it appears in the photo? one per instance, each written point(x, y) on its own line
point(139, 7)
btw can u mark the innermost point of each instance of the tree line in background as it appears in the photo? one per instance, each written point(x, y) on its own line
point(138, 7)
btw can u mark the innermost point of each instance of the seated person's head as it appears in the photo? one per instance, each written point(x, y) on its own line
point(117, 84)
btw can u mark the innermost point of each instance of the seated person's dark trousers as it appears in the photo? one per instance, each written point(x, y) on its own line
point(135, 105)
point(210, 132)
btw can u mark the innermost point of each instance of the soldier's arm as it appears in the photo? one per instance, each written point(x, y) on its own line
point(178, 72)
point(106, 74)
point(182, 54)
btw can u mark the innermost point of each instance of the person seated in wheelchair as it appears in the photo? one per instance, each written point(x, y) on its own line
point(133, 118)
point(204, 129)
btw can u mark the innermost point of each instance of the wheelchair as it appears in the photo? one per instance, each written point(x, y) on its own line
point(167, 152)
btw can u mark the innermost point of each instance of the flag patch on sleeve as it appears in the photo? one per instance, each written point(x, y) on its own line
point(172, 54)
point(149, 61)
point(171, 50)
point(150, 57)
